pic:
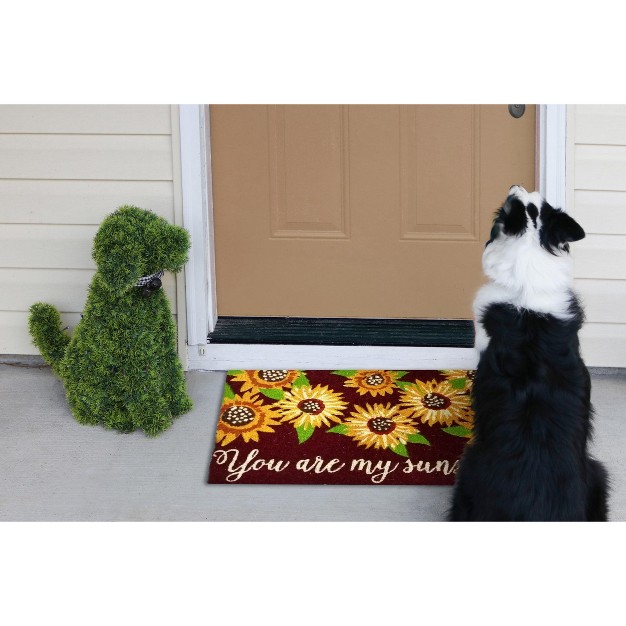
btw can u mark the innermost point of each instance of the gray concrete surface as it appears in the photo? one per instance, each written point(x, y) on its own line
point(54, 469)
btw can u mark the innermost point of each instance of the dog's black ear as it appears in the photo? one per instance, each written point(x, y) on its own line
point(117, 250)
point(559, 229)
point(566, 228)
point(514, 216)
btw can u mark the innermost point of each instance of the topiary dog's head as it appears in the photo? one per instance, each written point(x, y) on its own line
point(133, 242)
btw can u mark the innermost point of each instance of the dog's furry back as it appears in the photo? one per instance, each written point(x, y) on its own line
point(529, 459)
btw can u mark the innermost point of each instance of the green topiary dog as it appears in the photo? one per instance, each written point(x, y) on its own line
point(120, 368)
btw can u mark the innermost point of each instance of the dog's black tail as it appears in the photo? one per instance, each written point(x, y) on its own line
point(44, 324)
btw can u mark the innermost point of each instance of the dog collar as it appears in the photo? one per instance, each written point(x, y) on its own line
point(146, 280)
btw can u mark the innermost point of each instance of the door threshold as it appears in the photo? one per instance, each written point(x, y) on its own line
point(233, 356)
point(336, 343)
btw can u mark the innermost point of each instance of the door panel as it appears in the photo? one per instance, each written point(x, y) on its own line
point(308, 171)
point(366, 211)
point(438, 174)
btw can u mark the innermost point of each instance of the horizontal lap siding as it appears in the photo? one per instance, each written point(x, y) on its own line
point(63, 169)
point(601, 212)
point(601, 168)
point(14, 338)
point(604, 345)
point(105, 119)
point(596, 175)
point(86, 157)
point(67, 288)
point(604, 300)
point(600, 256)
point(60, 201)
point(47, 246)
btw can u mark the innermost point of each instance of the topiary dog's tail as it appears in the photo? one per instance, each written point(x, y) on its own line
point(44, 325)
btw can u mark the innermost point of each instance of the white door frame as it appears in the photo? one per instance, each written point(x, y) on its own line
point(200, 287)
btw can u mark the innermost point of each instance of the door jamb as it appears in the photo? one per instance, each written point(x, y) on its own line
point(551, 152)
point(196, 183)
point(197, 196)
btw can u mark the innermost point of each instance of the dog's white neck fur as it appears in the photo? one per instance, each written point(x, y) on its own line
point(523, 274)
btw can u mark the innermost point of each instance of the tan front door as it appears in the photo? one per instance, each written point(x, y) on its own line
point(360, 211)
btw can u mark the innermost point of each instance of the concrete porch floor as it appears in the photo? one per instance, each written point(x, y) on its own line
point(54, 469)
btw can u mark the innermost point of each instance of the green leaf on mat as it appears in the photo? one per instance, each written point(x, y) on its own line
point(401, 374)
point(458, 383)
point(458, 431)
point(273, 393)
point(340, 429)
point(234, 372)
point(401, 450)
point(301, 381)
point(228, 392)
point(304, 433)
point(417, 438)
point(404, 385)
point(346, 373)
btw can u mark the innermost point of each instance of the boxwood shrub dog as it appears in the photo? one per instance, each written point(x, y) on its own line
point(529, 458)
point(120, 367)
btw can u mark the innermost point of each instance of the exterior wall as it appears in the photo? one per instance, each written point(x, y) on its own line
point(63, 169)
point(596, 196)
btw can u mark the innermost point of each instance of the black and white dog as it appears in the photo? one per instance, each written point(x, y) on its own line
point(528, 459)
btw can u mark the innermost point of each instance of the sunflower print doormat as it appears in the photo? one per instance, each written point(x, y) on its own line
point(343, 427)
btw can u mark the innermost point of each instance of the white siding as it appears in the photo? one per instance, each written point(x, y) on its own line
point(63, 169)
point(596, 196)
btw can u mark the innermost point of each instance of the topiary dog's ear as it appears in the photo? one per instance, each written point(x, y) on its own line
point(117, 252)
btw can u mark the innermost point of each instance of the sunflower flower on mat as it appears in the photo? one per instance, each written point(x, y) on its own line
point(435, 403)
point(381, 426)
point(307, 408)
point(244, 416)
point(373, 382)
point(270, 383)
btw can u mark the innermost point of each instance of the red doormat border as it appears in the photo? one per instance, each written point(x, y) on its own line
point(349, 427)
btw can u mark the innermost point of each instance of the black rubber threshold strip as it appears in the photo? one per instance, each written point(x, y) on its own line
point(344, 331)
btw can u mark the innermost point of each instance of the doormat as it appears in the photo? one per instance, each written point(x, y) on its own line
point(342, 427)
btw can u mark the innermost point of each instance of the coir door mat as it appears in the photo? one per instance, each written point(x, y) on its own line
point(344, 427)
